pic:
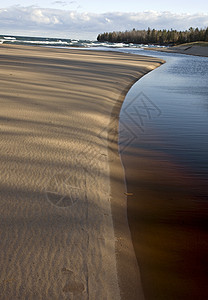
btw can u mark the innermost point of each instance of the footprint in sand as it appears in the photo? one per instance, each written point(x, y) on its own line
point(63, 191)
point(72, 285)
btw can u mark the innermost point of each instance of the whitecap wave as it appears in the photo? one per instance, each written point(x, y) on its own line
point(42, 42)
point(9, 38)
point(58, 42)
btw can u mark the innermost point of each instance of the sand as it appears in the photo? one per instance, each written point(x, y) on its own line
point(185, 49)
point(64, 230)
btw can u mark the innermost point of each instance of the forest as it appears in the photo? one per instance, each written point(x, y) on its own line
point(156, 37)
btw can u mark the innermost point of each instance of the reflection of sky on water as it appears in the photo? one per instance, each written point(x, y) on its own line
point(179, 89)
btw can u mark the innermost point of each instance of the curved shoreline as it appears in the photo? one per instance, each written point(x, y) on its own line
point(128, 269)
point(167, 209)
point(58, 106)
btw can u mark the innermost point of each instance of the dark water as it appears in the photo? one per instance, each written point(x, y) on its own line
point(177, 121)
point(163, 137)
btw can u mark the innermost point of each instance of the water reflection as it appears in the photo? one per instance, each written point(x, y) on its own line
point(166, 169)
point(179, 89)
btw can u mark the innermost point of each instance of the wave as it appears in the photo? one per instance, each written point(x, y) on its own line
point(9, 38)
point(41, 42)
point(54, 42)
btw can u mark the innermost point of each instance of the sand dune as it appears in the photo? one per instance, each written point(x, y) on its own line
point(57, 233)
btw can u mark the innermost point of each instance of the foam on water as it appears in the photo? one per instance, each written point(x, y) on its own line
point(9, 38)
point(58, 42)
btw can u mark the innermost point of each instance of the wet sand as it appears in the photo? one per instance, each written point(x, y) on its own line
point(64, 230)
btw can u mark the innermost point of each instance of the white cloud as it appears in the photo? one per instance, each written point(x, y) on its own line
point(59, 2)
point(62, 23)
point(64, 3)
point(39, 17)
point(107, 20)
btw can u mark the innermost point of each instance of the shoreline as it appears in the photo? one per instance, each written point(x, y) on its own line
point(58, 107)
point(167, 208)
point(187, 50)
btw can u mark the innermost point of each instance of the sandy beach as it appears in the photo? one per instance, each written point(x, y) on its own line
point(196, 50)
point(64, 230)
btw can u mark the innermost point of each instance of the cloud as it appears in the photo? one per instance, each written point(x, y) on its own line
point(64, 3)
point(60, 2)
point(72, 24)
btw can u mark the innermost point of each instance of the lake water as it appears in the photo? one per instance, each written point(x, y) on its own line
point(163, 140)
point(176, 95)
point(66, 43)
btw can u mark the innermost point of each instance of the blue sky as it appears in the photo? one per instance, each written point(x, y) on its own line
point(97, 6)
point(86, 19)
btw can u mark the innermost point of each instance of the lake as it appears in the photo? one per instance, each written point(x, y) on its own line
point(163, 141)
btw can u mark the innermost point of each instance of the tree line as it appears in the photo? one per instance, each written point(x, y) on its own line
point(157, 37)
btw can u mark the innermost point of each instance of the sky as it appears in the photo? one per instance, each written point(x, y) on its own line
point(83, 19)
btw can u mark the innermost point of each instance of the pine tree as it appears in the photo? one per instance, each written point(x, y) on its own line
point(161, 37)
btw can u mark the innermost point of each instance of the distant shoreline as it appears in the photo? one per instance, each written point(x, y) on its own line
point(189, 49)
